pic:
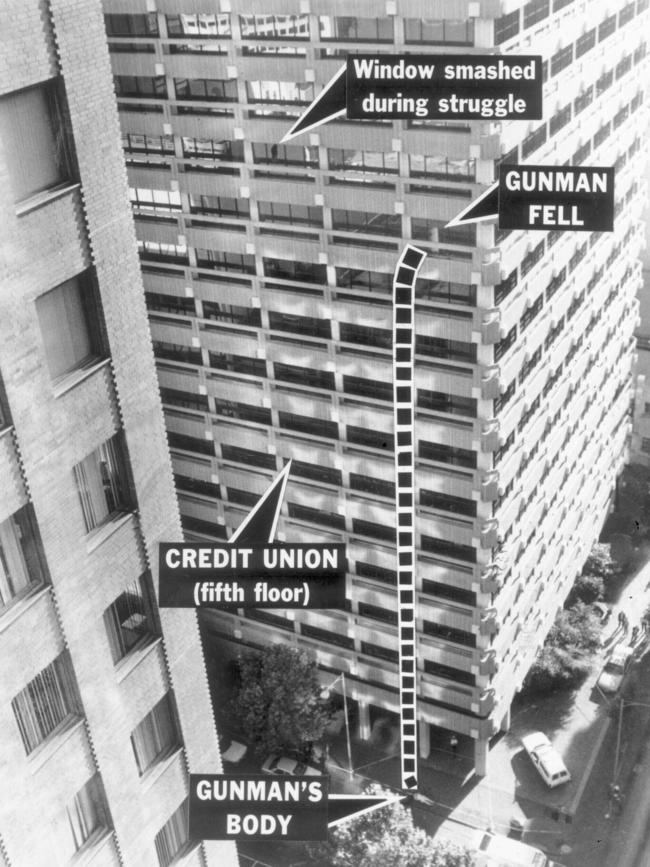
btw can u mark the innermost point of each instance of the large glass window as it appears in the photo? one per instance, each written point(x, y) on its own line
point(213, 89)
point(274, 26)
point(438, 31)
point(172, 838)
point(199, 25)
point(36, 139)
point(279, 91)
point(156, 736)
point(350, 29)
point(87, 814)
point(48, 701)
point(101, 483)
point(129, 620)
point(22, 565)
point(132, 25)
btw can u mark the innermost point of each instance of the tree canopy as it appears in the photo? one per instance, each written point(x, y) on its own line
point(386, 837)
point(277, 702)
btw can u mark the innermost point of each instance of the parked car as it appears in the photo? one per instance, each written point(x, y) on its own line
point(235, 752)
point(493, 850)
point(283, 766)
point(611, 676)
point(546, 759)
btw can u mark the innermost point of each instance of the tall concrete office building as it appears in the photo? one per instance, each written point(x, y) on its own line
point(104, 704)
point(267, 271)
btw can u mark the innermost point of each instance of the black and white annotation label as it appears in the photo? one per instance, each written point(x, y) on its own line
point(443, 86)
point(277, 575)
point(562, 197)
point(257, 807)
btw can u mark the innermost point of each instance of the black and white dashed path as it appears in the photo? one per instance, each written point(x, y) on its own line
point(403, 348)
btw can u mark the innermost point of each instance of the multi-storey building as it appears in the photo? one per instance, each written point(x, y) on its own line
point(104, 700)
point(267, 271)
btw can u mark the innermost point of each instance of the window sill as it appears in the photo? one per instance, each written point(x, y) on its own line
point(93, 846)
point(44, 198)
point(158, 769)
point(17, 606)
point(70, 380)
point(133, 659)
point(54, 741)
point(100, 534)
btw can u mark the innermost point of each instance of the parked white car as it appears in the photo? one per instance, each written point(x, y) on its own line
point(611, 676)
point(547, 760)
point(285, 767)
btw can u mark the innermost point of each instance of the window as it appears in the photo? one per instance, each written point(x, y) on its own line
point(535, 12)
point(279, 212)
point(447, 454)
point(327, 635)
point(69, 321)
point(449, 549)
point(305, 272)
point(448, 673)
point(377, 573)
point(101, 483)
point(87, 815)
point(248, 457)
point(366, 335)
point(349, 29)
point(156, 736)
point(150, 86)
point(223, 261)
point(316, 426)
point(586, 42)
point(243, 411)
point(373, 388)
point(375, 531)
point(376, 612)
point(438, 31)
point(132, 25)
point(363, 161)
point(449, 633)
point(316, 516)
point(213, 89)
point(371, 281)
point(316, 473)
point(203, 25)
point(48, 701)
point(439, 401)
point(606, 27)
point(129, 620)
point(224, 206)
point(279, 91)
point(506, 27)
point(308, 325)
point(237, 363)
point(22, 566)
point(448, 503)
point(504, 345)
point(446, 290)
point(286, 155)
point(218, 149)
point(371, 485)
point(172, 837)
point(441, 168)
point(379, 652)
point(154, 200)
point(561, 59)
point(645, 444)
point(304, 376)
point(36, 137)
point(274, 26)
point(440, 347)
point(367, 223)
